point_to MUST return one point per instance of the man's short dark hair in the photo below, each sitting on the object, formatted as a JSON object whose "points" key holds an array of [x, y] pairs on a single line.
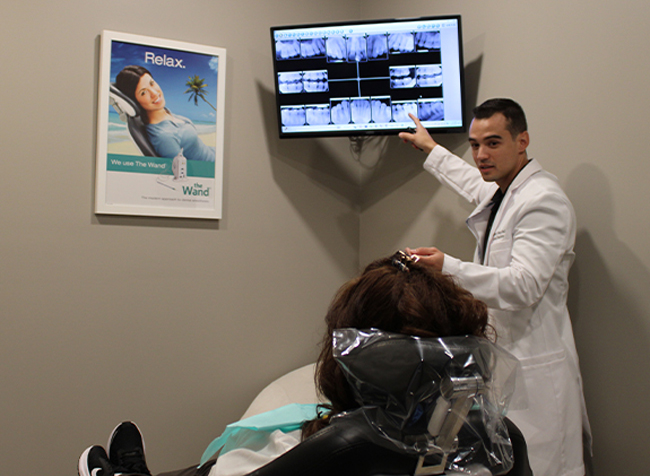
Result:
{"points": [[512, 111]]}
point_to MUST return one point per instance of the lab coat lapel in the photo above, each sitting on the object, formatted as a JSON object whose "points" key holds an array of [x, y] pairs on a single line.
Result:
{"points": [[477, 221], [477, 224]]}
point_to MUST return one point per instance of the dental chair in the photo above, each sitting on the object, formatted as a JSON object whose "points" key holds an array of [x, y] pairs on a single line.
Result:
{"points": [[131, 114], [428, 407]]}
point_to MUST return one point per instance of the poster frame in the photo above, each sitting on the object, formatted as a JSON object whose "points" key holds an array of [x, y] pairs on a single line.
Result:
{"points": [[130, 179]]}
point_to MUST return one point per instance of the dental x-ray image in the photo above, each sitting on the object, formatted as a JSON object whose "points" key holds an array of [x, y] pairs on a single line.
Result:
{"points": [[335, 47], [341, 111], [293, 115], [287, 49], [315, 81], [360, 110], [312, 48], [431, 110], [377, 46], [428, 75], [366, 77], [380, 109], [401, 43], [427, 40], [402, 77], [363, 110], [356, 46], [402, 109], [294, 82], [290, 82], [317, 114]]}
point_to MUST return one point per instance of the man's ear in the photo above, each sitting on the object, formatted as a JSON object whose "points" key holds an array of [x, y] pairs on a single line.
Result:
{"points": [[523, 139]]}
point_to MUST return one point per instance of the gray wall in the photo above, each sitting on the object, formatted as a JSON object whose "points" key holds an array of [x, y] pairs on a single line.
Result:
{"points": [[580, 71], [178, 323], [175, 324]]}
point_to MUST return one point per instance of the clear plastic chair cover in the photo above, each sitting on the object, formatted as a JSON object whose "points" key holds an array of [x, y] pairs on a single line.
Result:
{"points": [[443, 398]]}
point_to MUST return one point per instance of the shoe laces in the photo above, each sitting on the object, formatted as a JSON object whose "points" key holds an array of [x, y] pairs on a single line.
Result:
{"points": [[132, 462]]}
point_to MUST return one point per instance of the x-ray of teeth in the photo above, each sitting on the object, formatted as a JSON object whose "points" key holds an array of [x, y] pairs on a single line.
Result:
{"points": [[402, 109], [427, 40], [428, 75], [317, 114], [290, 82], [380, 109], [292, 115], [335, 46], [287, 49], [362, 78], [360, 110], [356, 46], [315, 81], [431, 110], [401, 43], [340, 111], [402, 77], [312, 48], [377, 47]]}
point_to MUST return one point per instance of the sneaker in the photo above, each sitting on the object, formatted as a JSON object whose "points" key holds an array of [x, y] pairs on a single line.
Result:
{"points": [[94, 462], [126, 450]]}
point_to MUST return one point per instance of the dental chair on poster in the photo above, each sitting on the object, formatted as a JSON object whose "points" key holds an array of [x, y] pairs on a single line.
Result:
{"points": [[131, 114], [428, 406]]}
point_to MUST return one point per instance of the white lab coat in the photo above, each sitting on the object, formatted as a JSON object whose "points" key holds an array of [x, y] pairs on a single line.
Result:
{"points": [[524, 282]]}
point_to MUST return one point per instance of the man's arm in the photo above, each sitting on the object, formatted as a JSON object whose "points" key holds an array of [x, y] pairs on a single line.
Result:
{"points": [[420, 138], [541, 239], [449, 169]]}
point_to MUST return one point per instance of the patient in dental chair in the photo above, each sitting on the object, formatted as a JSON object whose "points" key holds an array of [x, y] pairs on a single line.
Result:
{"points": [[392, 297]]}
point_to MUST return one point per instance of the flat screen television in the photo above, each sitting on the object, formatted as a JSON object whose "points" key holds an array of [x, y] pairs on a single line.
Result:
{"points": [[363, 78]]}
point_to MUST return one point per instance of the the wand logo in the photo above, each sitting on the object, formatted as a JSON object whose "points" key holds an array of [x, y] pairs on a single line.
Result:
{"points": [[163, 60], [196, 190]]}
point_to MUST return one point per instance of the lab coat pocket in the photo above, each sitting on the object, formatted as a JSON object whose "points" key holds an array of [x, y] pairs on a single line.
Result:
{"points": [[550, 413], [545, 378], [499, 252]]}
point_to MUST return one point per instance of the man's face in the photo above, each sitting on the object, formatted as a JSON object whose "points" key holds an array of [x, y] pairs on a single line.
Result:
{"points": [[498, 156]]}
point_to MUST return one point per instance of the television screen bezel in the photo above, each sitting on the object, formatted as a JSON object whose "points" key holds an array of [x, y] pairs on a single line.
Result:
{"points": [[370, 132]]}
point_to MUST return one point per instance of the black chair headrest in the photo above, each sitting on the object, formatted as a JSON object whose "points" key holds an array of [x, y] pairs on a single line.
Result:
{"points": [[417, 393]]}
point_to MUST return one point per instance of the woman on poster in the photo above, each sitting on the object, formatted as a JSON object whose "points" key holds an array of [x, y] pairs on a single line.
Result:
{"points": [[169, 134]]}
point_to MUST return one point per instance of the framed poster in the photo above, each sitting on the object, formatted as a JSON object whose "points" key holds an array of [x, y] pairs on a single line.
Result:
{"points": [[160, 127]]}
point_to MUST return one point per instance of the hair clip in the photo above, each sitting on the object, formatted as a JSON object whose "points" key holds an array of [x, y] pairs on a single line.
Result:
{"points": [[401, 260]]}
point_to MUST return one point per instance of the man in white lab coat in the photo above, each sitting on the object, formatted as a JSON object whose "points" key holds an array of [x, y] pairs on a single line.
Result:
{"points": [[525, 228]]}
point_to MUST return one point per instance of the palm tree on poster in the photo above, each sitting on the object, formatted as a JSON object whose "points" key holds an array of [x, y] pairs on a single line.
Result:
{"points": [[196, 89]]}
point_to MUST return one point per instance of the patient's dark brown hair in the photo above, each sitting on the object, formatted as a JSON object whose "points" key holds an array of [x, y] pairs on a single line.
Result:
{"points": [[394, 295]]}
